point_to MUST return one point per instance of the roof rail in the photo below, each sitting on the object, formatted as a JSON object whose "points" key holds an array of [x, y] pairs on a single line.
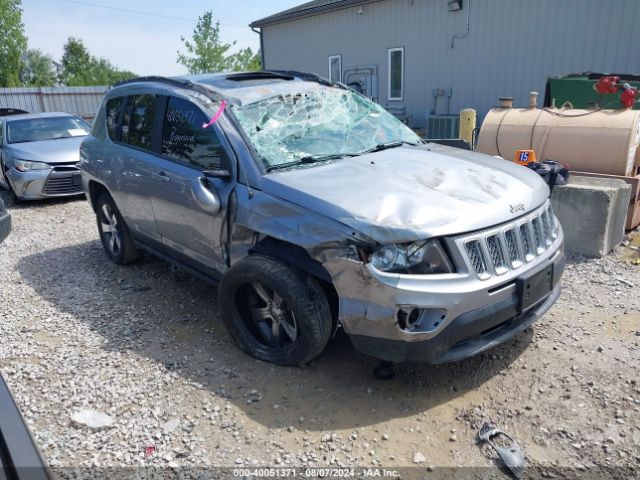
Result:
{"points": [[176, 82]]}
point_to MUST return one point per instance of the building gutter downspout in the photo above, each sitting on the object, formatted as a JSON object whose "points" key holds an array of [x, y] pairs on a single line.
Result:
{"points": [[466, 34], [259, 32]]}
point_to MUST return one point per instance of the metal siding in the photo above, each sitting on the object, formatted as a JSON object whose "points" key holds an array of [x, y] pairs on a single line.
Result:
{"points": [[513, 46], [81, 101]]}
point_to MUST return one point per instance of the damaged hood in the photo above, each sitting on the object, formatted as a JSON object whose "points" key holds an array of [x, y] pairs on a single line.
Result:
{"points": [[413, 193]]}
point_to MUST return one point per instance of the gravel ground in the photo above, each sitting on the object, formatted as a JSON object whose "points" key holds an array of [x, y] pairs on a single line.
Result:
{"points": [[143, 345]]}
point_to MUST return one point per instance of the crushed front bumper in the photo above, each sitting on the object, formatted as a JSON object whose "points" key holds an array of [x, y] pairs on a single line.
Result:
{"points": [[460, 314], [59, 181], [466, 336]]}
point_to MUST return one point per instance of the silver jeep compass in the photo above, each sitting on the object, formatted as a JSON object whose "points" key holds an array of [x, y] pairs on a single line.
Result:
{"points": [[315, 209]]}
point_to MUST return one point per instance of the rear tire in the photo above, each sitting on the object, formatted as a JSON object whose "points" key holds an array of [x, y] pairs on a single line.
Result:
{"points": [[274, 312], [114, 233]]}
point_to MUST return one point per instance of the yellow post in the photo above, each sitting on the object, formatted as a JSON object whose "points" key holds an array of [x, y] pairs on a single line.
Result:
{"points": [[467, 124]]}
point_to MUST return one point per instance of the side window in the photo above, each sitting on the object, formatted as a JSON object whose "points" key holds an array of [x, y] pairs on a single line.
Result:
{"points": [[114, 107], [1, 132], [335, 68], [185, 139], [143, 114], [396, 74]]}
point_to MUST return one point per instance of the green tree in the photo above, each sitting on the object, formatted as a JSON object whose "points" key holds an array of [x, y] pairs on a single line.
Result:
{"points": [[12, 42], [38, 69], [205, 52], [79, 68], [245, 61]]}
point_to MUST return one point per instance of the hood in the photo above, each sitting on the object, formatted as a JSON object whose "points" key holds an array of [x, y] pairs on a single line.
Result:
{"points": [[413, 193], [61, 150]]}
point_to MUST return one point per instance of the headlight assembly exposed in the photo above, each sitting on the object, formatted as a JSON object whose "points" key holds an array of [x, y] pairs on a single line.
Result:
{"points": [[419, 258], [26, 165]]}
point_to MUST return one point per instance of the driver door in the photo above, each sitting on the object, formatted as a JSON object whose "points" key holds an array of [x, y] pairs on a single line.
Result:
{"points": [[191, 229]]}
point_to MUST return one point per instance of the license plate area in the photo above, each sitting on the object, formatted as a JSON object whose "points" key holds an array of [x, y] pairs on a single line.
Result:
{"points": [[533, 288]]}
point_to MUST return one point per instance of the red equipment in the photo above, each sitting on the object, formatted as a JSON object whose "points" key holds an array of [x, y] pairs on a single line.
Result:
{"points": [[608, 85], [629, 96]]}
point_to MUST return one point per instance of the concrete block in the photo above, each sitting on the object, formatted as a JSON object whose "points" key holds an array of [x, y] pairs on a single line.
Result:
{"points": [[592, 212]]}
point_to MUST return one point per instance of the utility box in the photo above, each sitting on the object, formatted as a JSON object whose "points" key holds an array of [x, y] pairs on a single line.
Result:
{"points": [[443, 126]]}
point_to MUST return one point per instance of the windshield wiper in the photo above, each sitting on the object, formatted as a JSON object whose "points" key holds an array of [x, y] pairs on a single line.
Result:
{"points": [[309, 159], [387, 145], [338, 156]]}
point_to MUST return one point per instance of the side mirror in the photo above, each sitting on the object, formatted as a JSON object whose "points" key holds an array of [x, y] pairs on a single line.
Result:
{"points": [[220, 174]]}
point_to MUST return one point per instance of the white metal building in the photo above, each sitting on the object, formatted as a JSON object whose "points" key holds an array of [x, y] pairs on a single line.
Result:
{"points": [[425, 58]]}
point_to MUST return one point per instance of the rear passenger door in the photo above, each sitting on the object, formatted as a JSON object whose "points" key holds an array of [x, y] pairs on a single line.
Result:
{"points": [[133, 157], [190, 230]]}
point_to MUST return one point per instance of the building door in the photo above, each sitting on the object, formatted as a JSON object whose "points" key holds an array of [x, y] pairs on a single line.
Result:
{"points": [[363, 80]]}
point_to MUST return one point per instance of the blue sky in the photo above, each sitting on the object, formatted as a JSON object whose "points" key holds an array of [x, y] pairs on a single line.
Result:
{"points": [[144, 44]]}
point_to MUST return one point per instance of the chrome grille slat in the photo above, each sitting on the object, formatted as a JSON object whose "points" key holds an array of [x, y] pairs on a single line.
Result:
{"points": [[496, 254], [497, 250], [538, 235], [527, 244], [476, 256], [512, 247]]}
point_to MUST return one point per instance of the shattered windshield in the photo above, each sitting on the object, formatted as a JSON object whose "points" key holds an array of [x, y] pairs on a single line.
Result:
{"points": [[324, 122]]}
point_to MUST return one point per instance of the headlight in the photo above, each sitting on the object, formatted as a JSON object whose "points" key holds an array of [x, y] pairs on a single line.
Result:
{"points": [[416, 258], [26, 165]]}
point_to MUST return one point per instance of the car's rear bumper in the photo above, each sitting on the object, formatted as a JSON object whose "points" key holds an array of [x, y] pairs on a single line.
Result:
{"points": [[5, 224], [60, 181], [467, 335]]}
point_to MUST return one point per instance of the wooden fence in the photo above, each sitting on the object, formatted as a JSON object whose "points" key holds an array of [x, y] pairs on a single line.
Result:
{"points": [[81, 101]]}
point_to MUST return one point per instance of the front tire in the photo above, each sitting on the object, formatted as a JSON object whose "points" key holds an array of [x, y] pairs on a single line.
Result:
{"points": [[114, 233], [274, 312]]}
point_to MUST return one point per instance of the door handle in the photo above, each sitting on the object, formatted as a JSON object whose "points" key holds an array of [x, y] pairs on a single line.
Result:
{"points": [[163, 177]]}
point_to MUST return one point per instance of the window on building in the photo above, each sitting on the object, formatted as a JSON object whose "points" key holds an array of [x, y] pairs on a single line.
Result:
{"points": [[114, 107], [185, 139], [335, 68], [143, 114], [396, 73]]}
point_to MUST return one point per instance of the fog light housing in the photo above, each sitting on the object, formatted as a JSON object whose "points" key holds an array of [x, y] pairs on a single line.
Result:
{"points": [[409, 318]]}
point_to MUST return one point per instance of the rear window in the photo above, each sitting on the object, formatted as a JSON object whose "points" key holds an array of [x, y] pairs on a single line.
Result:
{"points": [[114, 107], [45, 128], [143, 114]]}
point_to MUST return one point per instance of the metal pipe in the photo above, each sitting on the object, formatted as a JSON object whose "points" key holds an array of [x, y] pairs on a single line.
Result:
{"points": [[466, 34], [259, 32]]}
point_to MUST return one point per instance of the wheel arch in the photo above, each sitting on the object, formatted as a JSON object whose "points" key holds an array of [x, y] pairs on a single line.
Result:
{"points": [[95, 189], [297, 257]]}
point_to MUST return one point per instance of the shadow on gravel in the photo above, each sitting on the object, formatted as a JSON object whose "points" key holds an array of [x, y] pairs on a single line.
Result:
{"points": [[167, 316], [10, 203]]}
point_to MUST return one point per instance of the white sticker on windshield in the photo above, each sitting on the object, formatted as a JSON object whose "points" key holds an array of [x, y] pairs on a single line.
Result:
{"points": [[76, 132]]}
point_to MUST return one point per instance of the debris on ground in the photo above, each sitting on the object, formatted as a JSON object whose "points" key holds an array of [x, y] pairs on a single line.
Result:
{"points": [[505, 446], [92, 419]]}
